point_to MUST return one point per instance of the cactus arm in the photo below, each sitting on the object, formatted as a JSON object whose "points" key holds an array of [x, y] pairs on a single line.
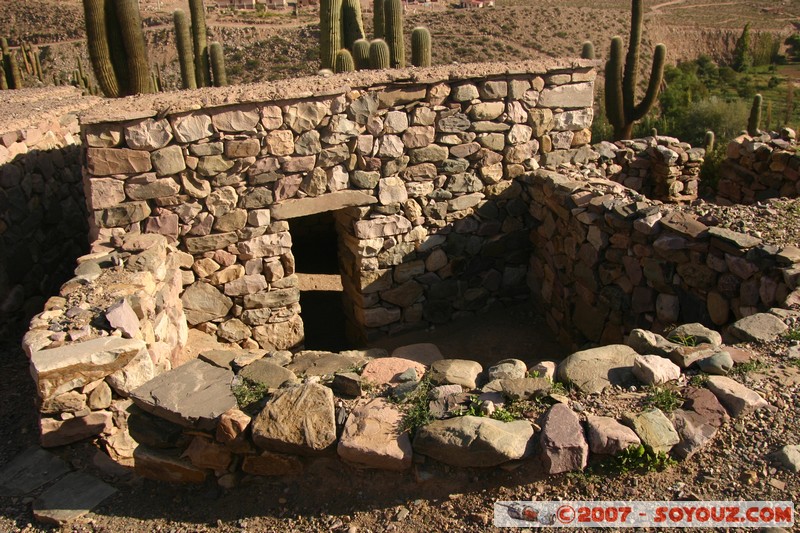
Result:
{"points": [[330, 26], [183, 41], [3, 80], [613, 88], [393, 13], [99, 15], [378, 20], [200, 37], [361, 54], [352, 24], [217, 57], [754, 121], [344, 61], [421, 47], [130, 21], [630, 76], [379, 54], [654, 85]]}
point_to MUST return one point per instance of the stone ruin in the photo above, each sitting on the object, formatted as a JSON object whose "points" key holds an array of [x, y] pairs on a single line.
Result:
{"points": [[452, 192]]}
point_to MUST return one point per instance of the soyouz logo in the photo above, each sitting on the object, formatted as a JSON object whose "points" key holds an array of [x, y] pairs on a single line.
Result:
{"points": [[661, 514]]}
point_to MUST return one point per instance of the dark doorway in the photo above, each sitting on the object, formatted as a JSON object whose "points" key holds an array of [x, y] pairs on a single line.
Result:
{"points": [[316, 251]]}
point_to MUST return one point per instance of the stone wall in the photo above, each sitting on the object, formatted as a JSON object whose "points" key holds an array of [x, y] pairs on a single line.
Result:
{"points": [[420, 171], [759, 168], [113, 327], [42, 212], [606, 260]]}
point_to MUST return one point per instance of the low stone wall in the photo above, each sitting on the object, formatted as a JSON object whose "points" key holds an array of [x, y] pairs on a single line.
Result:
{"points": [[759, 168], [113, 327], [42, 211], [419, 167], [606, 261]]}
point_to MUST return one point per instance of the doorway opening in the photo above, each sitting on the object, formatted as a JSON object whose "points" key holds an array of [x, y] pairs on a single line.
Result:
{"points": [[316, 252]]}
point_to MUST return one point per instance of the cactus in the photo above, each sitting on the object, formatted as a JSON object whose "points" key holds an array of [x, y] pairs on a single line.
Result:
{"points": [[352, 25], [587, 50], [344, 61], [330, 31], [708, 142], [420, 47], [361, 54], [3, 80], [154, 88], [106, 50], [378, 21], [201, 62], [217, 57], [130, 21], [378, 54], [621, 86], [754, 121], [11, 67], [37, 64], [393, 13], [183, 40]]}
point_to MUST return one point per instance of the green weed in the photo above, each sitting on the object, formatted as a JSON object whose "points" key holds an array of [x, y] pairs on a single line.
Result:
{"points": [[753, 365], [634, 459], [794, 333], [248, 393], [416, 409], [685, 340], [663, 398]]}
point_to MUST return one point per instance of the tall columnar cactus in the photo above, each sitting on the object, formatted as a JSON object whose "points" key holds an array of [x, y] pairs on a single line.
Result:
{"points": [[217, 64], [344, 61], [708, 142], [754, 121], [352, 24], [13, 74], [621, 86], [130, 22], [183, 40], [420, 47], [361, 54], [378, 20], [3, 80], [199, 34], [330, 31], [37, 64], [587, 50], [393, 13], [378, 54]]}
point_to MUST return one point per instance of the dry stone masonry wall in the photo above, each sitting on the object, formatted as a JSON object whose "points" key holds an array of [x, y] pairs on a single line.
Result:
{"points": [[422, 176], [113, 327], [42, 212], [607, 260], [759, 168]]}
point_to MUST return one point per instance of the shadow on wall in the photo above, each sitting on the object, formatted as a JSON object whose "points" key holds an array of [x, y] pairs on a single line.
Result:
{"points": [[43, 229]]}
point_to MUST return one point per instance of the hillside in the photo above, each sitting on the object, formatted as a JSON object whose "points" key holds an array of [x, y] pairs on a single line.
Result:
{"points": [[278, 45]]}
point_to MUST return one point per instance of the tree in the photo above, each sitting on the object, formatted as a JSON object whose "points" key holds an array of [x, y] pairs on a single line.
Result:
{"points": [[742, 54], [793, 42]]}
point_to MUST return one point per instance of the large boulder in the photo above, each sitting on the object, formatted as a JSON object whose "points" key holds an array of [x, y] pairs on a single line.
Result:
{"points": [[598, 368], [736, 398], [298, 420], [474, 441], [456, 372], [761, 327]]}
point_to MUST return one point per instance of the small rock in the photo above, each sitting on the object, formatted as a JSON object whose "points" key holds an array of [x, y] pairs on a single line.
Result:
{"points": [[654, 429], [456, 371], [655, 370], [718, 364], [564, 447], [789, 457]]}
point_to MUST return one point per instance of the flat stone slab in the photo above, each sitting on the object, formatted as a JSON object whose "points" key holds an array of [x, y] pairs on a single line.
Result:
{"points": [[193, 395], [654, 429], [372, 437], [268, 374], [597, 368], [227, 358], [166, 465], [320, 204], [736, 398], [313, 363], [456, 372], [390, 369], [608, 437], [30, 470], [564, 446], [761, 327], [71, 498], [422, 352], [63, 369], [474, 441]]}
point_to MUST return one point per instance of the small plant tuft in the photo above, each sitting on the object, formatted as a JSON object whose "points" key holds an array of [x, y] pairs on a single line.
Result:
{"points": [[753, 365], [248, 393], [793, 334], [663, 398], [699, 380], [416, 409], [634, 459], [685, 340]]}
